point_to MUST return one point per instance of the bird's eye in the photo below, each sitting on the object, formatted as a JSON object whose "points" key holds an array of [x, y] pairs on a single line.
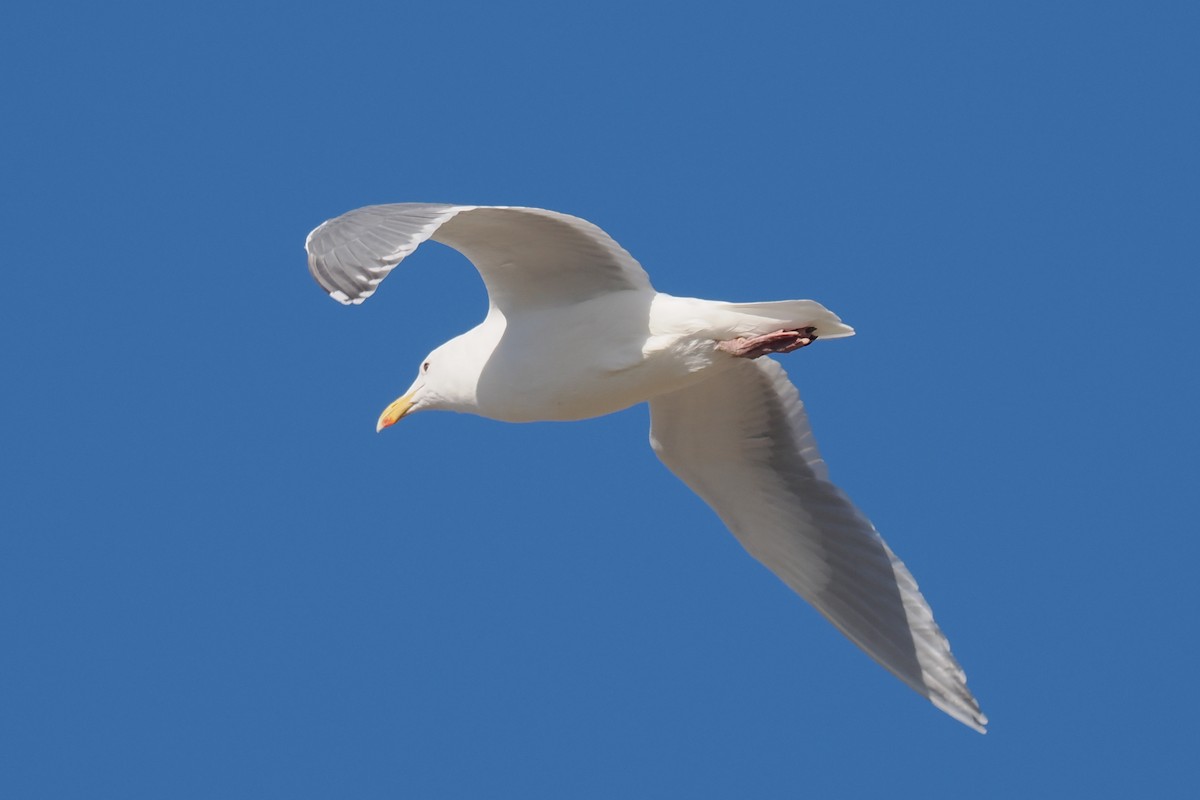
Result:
{"points": [[425, 367]]}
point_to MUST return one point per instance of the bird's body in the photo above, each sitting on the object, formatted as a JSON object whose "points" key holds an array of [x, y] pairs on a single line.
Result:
{"points": [[575, 330], [638, 344]]}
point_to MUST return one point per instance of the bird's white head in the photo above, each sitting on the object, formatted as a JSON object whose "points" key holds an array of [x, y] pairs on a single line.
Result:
{"points": [[442, 383]]}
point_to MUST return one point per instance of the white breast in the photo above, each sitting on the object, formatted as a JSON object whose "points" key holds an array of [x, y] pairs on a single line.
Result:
{"points": [[586, 360]]}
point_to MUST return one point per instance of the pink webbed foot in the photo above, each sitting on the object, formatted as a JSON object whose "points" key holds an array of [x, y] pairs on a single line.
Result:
{"points": [[777, 342]]}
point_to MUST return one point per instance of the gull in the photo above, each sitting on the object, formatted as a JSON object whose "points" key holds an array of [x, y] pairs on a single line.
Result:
{"points": [[574, 330]]}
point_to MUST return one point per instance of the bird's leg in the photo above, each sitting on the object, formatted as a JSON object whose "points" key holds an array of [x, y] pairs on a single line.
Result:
{"points": [[777, 342]]}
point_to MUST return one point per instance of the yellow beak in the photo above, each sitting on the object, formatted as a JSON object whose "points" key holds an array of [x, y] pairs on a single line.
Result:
{"points": [[395, 412]]}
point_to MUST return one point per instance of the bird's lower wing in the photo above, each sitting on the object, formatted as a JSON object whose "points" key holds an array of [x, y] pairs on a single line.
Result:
{"points": [[741, 441]]}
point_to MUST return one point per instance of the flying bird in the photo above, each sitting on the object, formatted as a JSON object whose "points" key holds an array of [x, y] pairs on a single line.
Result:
{"points": [[575, 330]]}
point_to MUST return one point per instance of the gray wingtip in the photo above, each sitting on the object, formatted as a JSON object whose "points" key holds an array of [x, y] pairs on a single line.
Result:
{"points": [[351, 254], [965, 710]]}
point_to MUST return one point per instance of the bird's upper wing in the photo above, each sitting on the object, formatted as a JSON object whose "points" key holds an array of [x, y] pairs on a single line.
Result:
{"points": [[741, 441], [528, 257]]}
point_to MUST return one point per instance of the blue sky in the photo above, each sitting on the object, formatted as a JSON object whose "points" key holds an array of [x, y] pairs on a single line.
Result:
{"points": [[216, 580]]}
